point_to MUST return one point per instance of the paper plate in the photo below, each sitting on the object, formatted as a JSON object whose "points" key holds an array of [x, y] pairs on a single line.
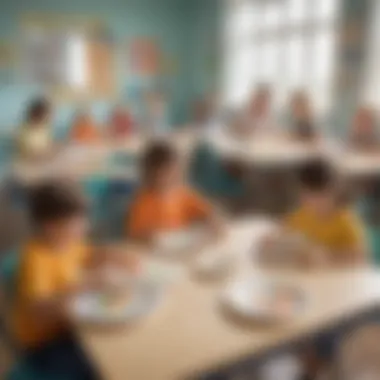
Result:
{"points": [[266, 301], [180, 242], [137, 301]]}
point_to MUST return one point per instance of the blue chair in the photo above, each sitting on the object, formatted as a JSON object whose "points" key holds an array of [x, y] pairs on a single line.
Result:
{"points": [[119, 196], [95, 188], [364, 208], [208, 174]]}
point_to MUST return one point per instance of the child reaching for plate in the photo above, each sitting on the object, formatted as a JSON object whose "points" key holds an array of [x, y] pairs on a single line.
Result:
{"points": [[52, 269], [164, 202]]}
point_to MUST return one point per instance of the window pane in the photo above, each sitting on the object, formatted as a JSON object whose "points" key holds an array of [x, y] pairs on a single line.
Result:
{"points": [[240, 76], [272, 15], [295, 75], [268, 61], [323, 57], [298, 10], [242, 21], [326, 9]]}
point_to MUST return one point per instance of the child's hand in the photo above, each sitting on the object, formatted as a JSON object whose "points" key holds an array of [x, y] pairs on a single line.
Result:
{"points": [[118, 257]]}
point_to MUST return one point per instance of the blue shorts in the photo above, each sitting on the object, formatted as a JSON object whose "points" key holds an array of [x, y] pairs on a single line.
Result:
{"points": [[61, 358]]}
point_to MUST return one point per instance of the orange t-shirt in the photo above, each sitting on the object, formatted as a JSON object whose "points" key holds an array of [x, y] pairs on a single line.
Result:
{"points": [[85, 132], [43, 274], [153, 212]]}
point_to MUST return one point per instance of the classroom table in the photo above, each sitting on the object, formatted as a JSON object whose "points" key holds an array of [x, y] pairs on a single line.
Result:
{"points": [[189, 336], [360, 164], [271, 149], [76, 162]]}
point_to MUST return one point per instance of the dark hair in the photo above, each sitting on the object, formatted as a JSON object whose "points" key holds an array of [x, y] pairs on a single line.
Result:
{"points": [[156, 156], [54, 201], [38, 109], [316, 175]]}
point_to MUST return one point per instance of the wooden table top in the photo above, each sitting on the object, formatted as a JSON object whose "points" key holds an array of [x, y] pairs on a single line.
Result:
{"points": [[190, 334]]}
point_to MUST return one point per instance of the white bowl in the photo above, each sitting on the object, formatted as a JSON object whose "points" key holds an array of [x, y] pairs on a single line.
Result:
{"points": [[263, 300], [139, 299], [179, 242]]}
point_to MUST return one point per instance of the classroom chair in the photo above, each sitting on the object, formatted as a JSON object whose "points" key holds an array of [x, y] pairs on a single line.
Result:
{"points": [[119, 196], [208, 174], [95, 188]]}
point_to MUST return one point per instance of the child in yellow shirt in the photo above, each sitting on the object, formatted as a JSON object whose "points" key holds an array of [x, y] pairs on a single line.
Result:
{"points": [[323, 220], [51, 269], [34, 139], [164, 202]]}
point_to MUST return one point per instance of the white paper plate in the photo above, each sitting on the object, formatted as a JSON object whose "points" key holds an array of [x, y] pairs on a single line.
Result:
{"points": [[262, 300], [180, 242], [92, 307]]}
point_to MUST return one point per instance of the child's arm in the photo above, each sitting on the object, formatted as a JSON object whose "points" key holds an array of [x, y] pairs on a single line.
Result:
{"points": [[200, 209], [356, 251]]}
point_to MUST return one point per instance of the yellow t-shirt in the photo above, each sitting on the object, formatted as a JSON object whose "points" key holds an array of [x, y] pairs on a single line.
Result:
{"points": [[34, 140], [43, 274], [340, 232]]}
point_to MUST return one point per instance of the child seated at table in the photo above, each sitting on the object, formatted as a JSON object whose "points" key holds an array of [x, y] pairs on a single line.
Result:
{"points": [[259, 110], [84, 129], [302, 120], [121, 123], [34, 140], [164, 202], [364, 135], [52, 270], [324, 221]]}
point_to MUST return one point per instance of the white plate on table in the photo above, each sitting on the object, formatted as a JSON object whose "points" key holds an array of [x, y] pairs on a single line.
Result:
{"points": [[180, 242], [264, 300], [136, 301]]}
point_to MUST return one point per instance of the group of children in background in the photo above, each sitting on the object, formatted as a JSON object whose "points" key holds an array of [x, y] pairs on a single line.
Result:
{"points": [[57, 260], [35, 137]]}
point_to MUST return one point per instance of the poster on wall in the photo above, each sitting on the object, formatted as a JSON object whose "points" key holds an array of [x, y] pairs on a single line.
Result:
{"points": [[145, 57], [6, 55]]}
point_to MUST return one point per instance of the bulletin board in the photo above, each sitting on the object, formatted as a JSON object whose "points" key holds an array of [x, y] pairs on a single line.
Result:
{"points": [[145, 57]]}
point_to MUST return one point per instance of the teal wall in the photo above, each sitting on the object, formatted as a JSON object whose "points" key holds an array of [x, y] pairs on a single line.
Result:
{"points": [[171, 22]]}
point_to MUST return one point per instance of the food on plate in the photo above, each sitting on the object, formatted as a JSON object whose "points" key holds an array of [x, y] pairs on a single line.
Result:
{"points": [[281, 301], [114, 303]]}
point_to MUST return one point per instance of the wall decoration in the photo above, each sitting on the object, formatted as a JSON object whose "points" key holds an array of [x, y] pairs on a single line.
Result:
{"points": [[145, 57], [170, 65], [6, 55]]}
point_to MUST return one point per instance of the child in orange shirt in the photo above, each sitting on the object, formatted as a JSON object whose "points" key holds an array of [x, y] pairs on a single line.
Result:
{"points": [[259, 110], [164, 202], [84, 130]]}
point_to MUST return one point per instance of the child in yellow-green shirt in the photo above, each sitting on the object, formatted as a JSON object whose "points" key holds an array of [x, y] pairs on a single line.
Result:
{"points": [[323, 220]]}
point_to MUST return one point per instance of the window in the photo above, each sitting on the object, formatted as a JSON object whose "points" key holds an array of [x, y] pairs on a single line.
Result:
{"points": [[371, 90], [72, 58], [288, 44]]}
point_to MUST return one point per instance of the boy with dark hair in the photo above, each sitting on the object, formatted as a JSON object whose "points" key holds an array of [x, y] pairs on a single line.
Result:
{"points": [[51, 270], [321, 218], [164, 202]]}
